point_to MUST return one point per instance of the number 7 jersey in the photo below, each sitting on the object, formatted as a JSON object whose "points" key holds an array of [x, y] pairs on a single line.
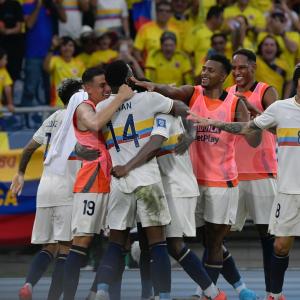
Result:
{"points": [[129, 130]]}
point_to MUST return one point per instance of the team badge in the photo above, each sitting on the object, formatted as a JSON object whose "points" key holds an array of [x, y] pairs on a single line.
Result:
{"points": [[161, 123]]}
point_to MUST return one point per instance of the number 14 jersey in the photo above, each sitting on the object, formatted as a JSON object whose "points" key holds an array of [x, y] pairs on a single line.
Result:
{"points": [[129, 130]]}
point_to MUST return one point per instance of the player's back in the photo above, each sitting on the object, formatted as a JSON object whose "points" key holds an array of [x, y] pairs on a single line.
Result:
{"points": [[130, 129], [55, 190]]}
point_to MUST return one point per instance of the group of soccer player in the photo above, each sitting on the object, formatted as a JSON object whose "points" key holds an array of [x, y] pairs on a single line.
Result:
{"points": [[168, 160]]}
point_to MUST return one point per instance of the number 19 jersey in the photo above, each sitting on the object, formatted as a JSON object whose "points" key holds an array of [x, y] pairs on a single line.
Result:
{"points": [[129, 130]]}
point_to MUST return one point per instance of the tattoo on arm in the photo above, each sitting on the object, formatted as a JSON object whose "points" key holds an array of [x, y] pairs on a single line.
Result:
{"points": [[234, 127], [26, 155]]}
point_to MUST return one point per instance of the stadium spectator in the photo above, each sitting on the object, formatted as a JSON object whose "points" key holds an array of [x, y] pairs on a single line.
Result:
{"points": [[255, 18], [182, 17], [39, 21], [72, 24], [103, 54], [244, 39], [5, 83], [61, 66], [197, 41], [148, 36], [271, 69], [291, 16], [11, 36], [126, 54], [112, 16], [288, 40], [169, 65], [87, 44]]}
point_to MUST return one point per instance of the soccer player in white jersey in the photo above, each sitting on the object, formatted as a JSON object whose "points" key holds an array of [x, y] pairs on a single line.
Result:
{"points": [[141, 192], [284, 116], [181, 188], [52, 224]]}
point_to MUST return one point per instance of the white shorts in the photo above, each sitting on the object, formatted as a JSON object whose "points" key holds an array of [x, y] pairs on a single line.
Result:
{"points": [[256, 199], [182, 211], [89, 213], [285, 215], [147, 203], [52, 224], [217, 205]]}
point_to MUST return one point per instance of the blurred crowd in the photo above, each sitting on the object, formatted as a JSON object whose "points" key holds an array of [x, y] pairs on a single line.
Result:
{"points": [[43, 42]]}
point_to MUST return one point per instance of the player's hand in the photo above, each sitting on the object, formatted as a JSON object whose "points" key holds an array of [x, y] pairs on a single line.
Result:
{"points": [[184, 141], [17, 185], [125, 92], [199, 120], [149, 86], [119, 171], [86, 153], [254, 111]]}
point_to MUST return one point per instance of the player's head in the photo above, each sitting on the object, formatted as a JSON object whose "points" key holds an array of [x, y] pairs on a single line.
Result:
{"points": [[94, 83], [243, 67], [296, 77], [215, 71], [68, 88], [118, 73]]}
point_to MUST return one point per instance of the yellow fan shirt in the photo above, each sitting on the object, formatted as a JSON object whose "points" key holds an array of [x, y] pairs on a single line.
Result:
{"points": [[147, 39], [5, 80], [60, 70], [102, 57], [177, 70]]}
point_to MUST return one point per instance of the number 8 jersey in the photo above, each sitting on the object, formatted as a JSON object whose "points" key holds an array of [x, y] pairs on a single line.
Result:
{"points": [[129, 130]]}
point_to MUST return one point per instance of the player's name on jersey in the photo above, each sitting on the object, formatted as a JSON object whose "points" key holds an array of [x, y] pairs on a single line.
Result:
{"points": [[52, 123], [125, 106], [207, 138]]}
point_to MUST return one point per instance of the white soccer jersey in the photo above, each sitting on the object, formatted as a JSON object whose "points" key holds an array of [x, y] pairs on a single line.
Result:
{"points": [[55, 190], [176, 170], [285, 116], [129, 130]]}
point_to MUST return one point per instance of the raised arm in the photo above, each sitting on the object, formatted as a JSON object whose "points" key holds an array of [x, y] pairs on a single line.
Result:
{"points": [[95, 121], [148, 151], [183, 93], [18, 180]]}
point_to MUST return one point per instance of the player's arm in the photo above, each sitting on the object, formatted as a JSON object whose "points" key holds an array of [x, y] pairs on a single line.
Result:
{"points": [[269, 97], [18, 180], [186, 138], [183, 93], [238, 128], [95, 121], [242, 115], [148, 151]]}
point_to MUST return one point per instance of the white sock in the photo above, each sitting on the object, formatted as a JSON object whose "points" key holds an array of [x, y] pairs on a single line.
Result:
{"points": [[198, 291], [211, 292], [275, 296], [240, 288]]}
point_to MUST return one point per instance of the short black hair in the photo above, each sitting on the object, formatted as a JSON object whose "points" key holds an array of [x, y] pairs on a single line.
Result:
{"points": [[269, 36], [223, 60], [246, 52], [116, 73], [168, 35], [296, 76], [68, 88], [219, 34], [214, 11], [90, 73], [67, 39], [2, 53]]}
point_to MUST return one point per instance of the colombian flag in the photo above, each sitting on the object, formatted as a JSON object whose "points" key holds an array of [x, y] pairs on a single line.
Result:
{"points": [[17, 213], [141, 13]]}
